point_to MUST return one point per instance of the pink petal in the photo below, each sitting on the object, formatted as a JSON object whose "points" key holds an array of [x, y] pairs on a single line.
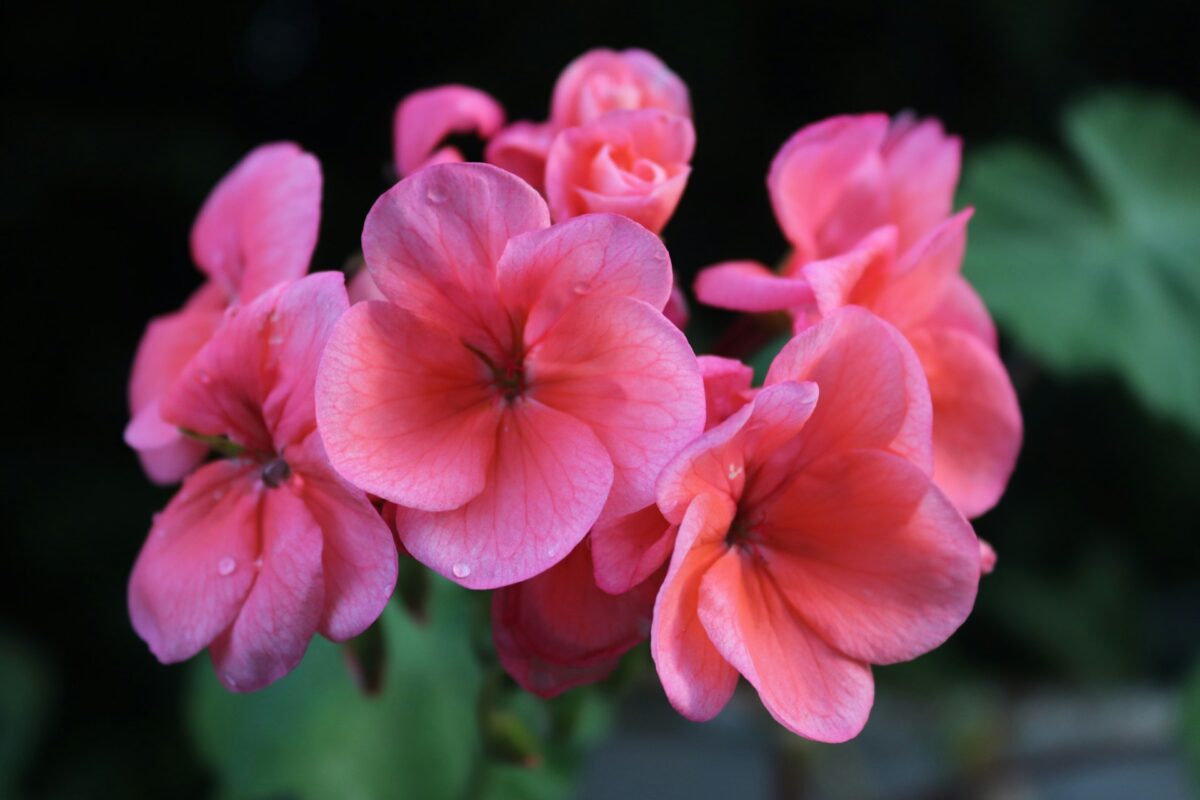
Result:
{"points": [[726, 387], [358, 555], [259, 225], [182, 593], [855, 277], [871, 555], [698, 680], [617, 365], [924, 274], [809, 688], [165, 454], [873, 389], [977, 426], [404, 410], [544, 273], [432, 242], [811, 173], [987, 558], [558, 630], [600, 81], [362, 287], [921, 163], [961, 308], [521, 148], [425, 118], [545, 486], [764, 430], [676, 309], [281, 613], [750, 286], [633, 163], [629, 549]]}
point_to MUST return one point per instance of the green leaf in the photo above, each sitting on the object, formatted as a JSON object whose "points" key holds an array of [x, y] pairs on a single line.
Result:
{"points": [[1095, 266], [25, 691], [315, 735]]}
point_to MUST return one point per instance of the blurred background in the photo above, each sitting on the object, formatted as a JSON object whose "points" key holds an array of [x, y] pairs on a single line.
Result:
{"points": [[1077, 676]]}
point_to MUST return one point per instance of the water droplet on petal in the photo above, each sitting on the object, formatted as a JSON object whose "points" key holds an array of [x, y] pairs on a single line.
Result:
{"points": [[581, 288], [226, 566], [229, 681], [435, 195], [387, 590], [205, 378], [461, 570], [258, 563], [552, 552]]}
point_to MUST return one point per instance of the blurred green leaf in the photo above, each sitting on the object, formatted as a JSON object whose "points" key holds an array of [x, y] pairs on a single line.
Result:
{"points": [[315, 735], [1097, 266], [24, 692], [1190, 722]]}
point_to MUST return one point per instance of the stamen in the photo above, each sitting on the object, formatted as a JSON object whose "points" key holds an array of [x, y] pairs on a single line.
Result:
{"points": [[275, 473]]}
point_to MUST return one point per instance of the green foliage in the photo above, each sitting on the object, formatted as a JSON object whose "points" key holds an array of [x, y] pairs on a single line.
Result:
{"points": [[1095, 265], [316, 735], [1190, 722], [24, 696]]}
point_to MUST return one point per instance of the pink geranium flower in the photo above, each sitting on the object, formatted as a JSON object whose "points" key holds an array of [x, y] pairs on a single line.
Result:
{"points": [[597, 83], [424, 119], [258, 227], [520, 380], [633, 163], [260, 550], [866, 209], [812, 542]]}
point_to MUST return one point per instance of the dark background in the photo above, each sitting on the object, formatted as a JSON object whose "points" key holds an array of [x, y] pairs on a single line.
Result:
{"points": [[118, 120]]}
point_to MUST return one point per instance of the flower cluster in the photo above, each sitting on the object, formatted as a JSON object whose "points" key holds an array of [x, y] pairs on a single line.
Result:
{"points": [[507, 397]]}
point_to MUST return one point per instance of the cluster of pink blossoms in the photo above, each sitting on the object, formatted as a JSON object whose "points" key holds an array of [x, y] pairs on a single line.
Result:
{"points": [[510, 401]]}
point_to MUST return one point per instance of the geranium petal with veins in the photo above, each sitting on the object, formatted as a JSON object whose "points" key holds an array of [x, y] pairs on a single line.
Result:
{"points": [[259, 225], [521, 148], [281, 612], [423, 119], [961, 308], [358, 554], [871, 555], [977, 426], [809, 687], [602, 80], [404, 409], [873, 389], [726, 387], [543, 490], [617, 365], [921, 164], [432, 242], [629, 549], [598, 255], [183, 592], [855, 277], [750, 286], [697, 679], [923, 274]]}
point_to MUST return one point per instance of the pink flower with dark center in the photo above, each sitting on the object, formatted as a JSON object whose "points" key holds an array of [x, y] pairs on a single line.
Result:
{"points": [[812, 542], [633, 163], [257, 228], [866, 209], [260, 550], [424, 119], [597, 83], [519, 383]]}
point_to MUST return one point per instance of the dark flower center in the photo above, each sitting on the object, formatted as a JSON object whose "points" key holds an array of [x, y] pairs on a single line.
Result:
{"points": [[275, 472]]}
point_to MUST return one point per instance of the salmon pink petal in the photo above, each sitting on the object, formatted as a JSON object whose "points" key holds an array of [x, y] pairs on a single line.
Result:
{"points": [[432, 242], [676, 310], [629, 549], [546, 272], [616, 364], [698, 680], [558, 630], [259, 225], [923, 275], [750, 286], [987, 558], [544, 488], [166, 455], [404, 409], [855, 277], [601, 81], [425, 118], [961, 308], [716, 462], [921, 163], [726, 387], [871, 555], [977, 425], [521, 148], [281, 612], [873, 389], [358, 555], [632, 163], [185, 588], [810, 176], [362, 287], [809, 687]]}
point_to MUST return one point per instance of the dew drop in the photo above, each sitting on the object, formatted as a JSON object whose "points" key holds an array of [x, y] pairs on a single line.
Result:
{"points": [[229, 681], [552, 552], [435, 195], [387, 590], [226, 566], [461, 570], [258, 563], [581, 288], [205, 378]]}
